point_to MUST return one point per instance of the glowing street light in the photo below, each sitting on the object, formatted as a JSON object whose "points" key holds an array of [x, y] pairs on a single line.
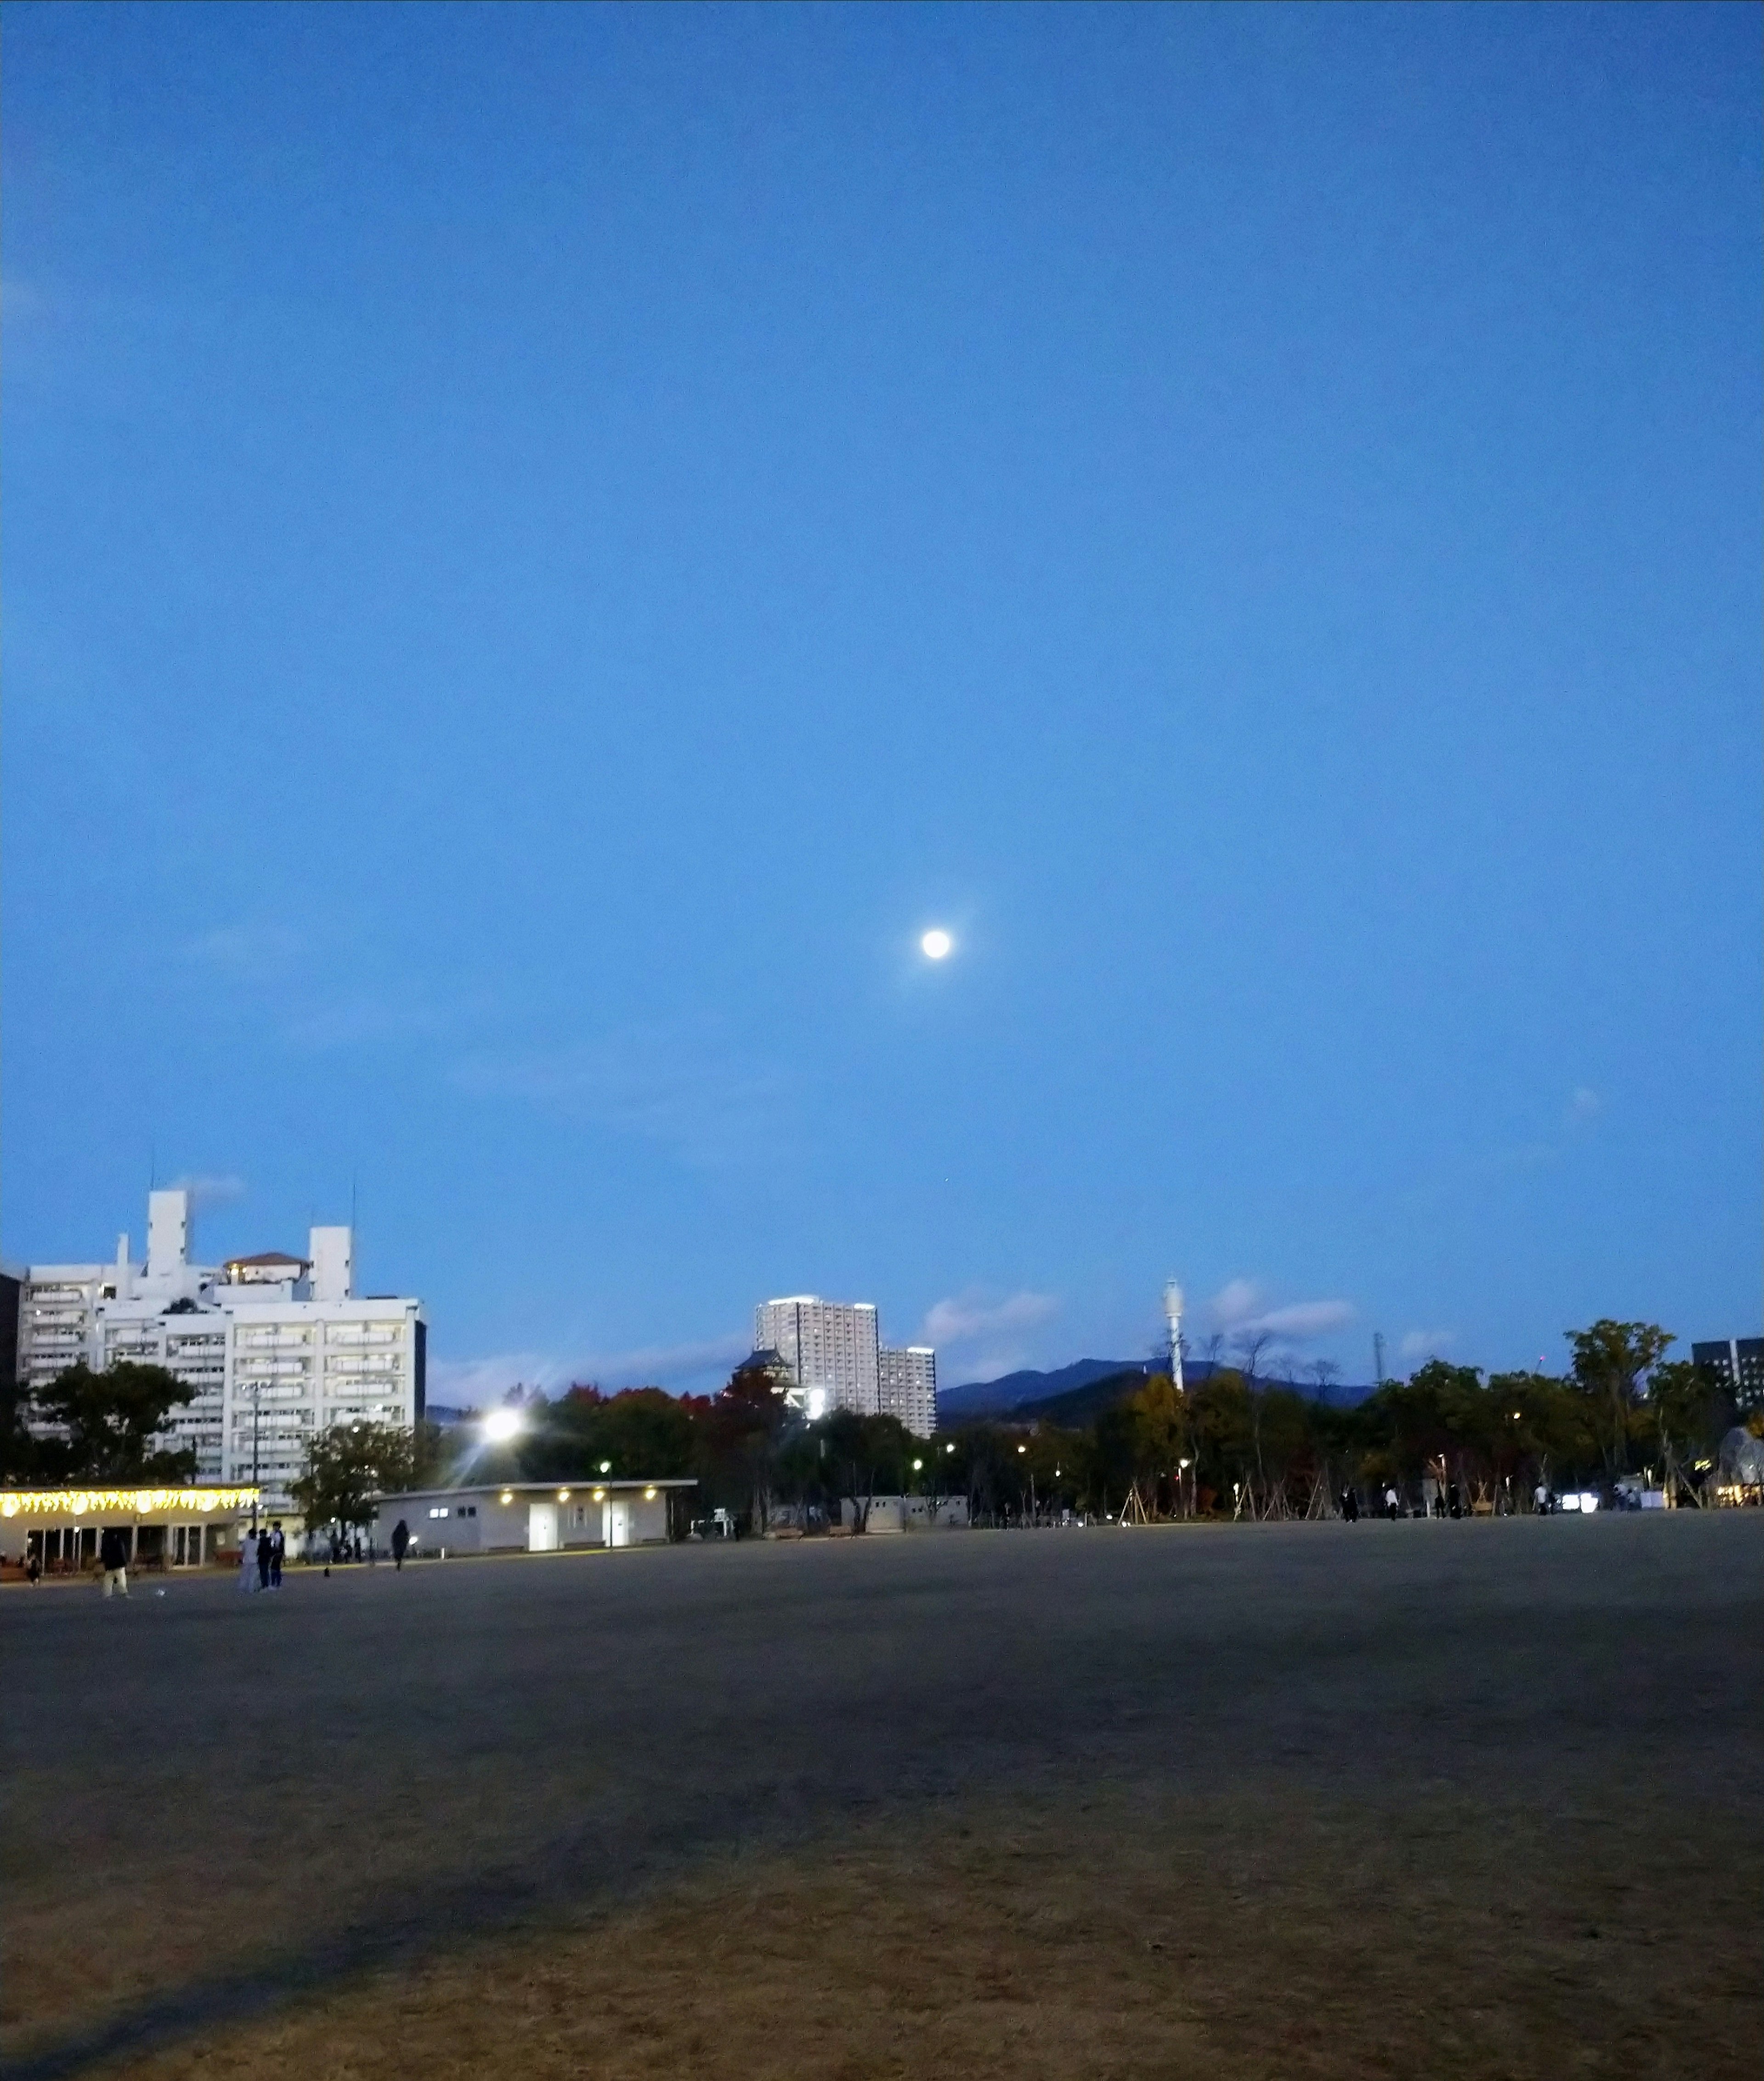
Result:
{"points": [[501, 1424]]}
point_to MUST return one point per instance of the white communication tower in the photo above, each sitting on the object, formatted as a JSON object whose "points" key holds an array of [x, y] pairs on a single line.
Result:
{"points": [[1173, 1315]]}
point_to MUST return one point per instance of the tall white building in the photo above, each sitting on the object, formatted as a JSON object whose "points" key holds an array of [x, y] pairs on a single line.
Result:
{"points": [[833, 1351], [829, 1347], [273, 1347], [908, 1380]]}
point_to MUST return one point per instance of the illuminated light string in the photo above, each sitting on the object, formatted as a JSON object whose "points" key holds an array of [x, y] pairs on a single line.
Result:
{"points": [[85, 1502]]}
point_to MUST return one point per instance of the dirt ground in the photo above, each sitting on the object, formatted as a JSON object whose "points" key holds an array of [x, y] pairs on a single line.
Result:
{"points": [[1316, 1800]]}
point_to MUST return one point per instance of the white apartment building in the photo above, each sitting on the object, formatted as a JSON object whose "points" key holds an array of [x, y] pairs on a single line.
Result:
{"points": [[833, 1351], [908, 1381], [275, 1348], [829, 1347]]}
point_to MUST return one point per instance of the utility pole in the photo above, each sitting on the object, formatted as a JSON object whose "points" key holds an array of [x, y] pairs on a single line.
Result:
{"points": [[257, 1389]]}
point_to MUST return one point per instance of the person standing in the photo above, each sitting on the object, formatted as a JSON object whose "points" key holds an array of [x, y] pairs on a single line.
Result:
{"points": [[264, 1551], [401, 1542], [278, 1551], [247, 1560], [1390, 1504], [113, 1558]]}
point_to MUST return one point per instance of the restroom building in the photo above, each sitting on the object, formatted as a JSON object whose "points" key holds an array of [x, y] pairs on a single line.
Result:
{"points": [[530, 1517]]}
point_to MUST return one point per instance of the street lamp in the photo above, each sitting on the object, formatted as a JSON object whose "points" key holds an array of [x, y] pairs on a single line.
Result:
{"points": [[501, 1424]]}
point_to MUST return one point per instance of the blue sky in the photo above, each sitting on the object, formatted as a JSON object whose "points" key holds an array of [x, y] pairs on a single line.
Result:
{"points": [[544, 546]]}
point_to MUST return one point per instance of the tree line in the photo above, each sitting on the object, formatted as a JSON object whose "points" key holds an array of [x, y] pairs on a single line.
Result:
{"points": [[1231, 1445]]}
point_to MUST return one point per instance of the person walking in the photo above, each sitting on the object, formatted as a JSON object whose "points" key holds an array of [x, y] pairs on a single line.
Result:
{"points": [[401, 1542], [265, 1551], [113, 1558], [33, 1566], [1390, 1504], [278, 1552]]}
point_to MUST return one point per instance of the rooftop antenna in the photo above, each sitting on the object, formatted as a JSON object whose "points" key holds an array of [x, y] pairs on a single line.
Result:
{"points": [[1173, 1315], [1378, 1358]]}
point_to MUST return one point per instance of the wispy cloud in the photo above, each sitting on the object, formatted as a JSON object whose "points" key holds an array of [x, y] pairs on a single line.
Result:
{"points": [[1420, 1345], [1237, 1310], [247, 953], [297, 972], [1581, 1109], [207, 1189], [368, 1020], [968, 1315], [690, 1089], [979, 1336], [479, 1383]]}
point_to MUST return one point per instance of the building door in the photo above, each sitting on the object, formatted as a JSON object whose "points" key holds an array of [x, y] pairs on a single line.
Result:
{"points": [[186, 1546], [542, 1527], [618, 1524]]}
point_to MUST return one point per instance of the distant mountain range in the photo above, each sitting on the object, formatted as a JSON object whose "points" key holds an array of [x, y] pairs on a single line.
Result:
{"points": [[1078, 1394], [993, 1398]]}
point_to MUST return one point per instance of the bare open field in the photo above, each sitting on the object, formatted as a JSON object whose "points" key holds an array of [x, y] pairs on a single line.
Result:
{"points": [[1469, 1799]]}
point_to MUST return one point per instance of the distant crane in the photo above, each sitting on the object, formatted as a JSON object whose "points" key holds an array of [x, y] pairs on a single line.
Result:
{"points": [[1173, 1315]]}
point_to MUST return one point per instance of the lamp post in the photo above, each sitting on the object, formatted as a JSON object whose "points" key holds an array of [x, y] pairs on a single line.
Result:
{"points": [[257, 1388]]}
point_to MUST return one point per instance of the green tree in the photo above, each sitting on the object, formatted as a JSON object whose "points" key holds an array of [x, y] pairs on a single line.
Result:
{"points": [[1610, 1362], [347, 1467], [641, 1432], [866, 1456], [108, 1424]]}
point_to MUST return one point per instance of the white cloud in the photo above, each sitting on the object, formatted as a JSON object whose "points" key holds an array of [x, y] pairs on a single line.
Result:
{"points": [[968, 1315], [1584, 1104], [1422, 1344], [1237, 1309], [209, 1189]]}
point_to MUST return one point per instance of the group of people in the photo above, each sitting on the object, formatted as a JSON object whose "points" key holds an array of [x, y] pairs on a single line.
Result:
{"points": [[1447, 1503], [260, 1559]]}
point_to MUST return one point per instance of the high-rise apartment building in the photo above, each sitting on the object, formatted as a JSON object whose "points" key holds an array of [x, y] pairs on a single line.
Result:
{"points": [[908, 1379], [1736, 1363], [273, 1347], [829, 1348], [833, 1353]]}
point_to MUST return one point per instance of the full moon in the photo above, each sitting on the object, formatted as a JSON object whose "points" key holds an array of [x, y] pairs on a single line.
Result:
{"points": [[936, 943]]}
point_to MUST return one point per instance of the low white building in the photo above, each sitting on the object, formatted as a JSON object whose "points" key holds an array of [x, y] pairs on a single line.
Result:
{"points": [[912, 1513], [532, 1517], [273, 1347]]}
